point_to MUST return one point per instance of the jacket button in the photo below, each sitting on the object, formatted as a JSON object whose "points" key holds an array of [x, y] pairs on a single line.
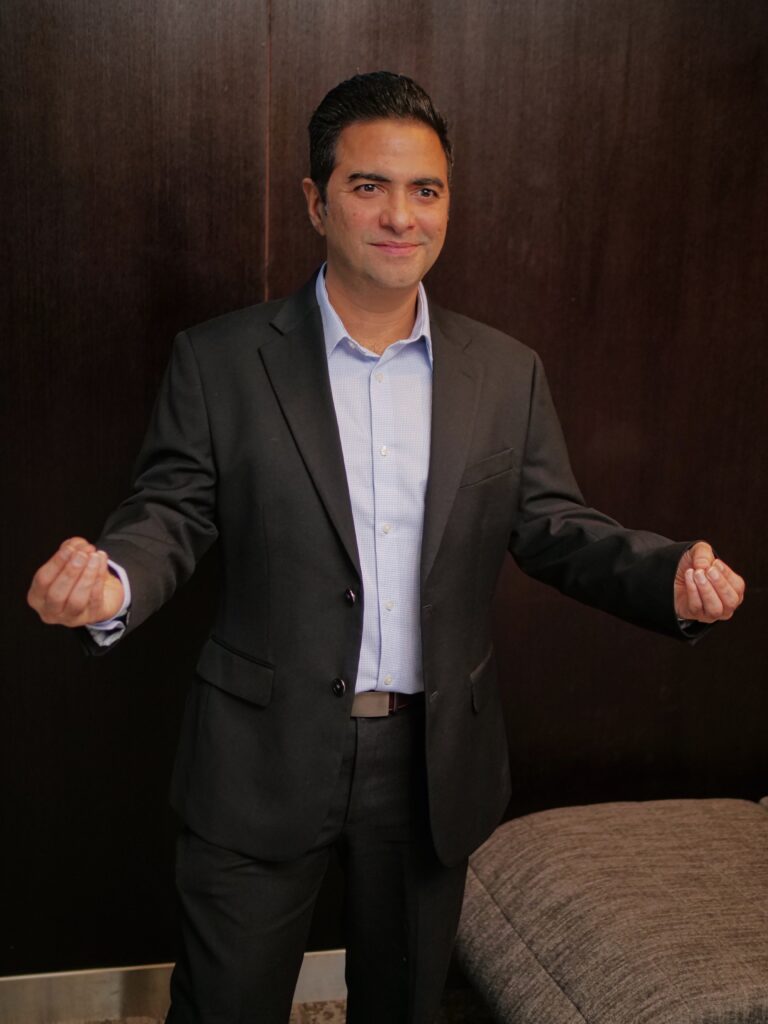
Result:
{"points": [[350, 596], [338, 687]]}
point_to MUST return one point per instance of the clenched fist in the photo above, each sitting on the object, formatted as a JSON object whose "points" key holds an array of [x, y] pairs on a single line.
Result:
{"points": [[706, 589], [75, 586]]}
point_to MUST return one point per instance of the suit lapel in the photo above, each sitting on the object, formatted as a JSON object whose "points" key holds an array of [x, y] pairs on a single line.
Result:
{"points": [[298, 371], [297, 366], [455, 392]]}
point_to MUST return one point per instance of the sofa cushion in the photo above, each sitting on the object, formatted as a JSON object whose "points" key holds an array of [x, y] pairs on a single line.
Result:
{"points": [[623, 913]]}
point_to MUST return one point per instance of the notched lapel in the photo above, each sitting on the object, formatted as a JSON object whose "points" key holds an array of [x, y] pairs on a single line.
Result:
{"points": [[297, 367], [456, 382]]}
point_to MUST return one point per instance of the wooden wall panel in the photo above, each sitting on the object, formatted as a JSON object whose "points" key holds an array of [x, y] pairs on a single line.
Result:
{"points": [[133, 205], [609, 208]]}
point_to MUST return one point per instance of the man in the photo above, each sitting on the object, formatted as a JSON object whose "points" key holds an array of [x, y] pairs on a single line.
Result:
{"points": [[365, 460]]}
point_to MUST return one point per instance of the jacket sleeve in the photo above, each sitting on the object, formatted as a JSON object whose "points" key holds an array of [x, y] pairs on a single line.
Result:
{"points": [[585, 554], [168, 522]]}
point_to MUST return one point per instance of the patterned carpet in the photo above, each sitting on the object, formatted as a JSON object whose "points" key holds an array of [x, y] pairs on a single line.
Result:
{"points": [[460, 1006]]}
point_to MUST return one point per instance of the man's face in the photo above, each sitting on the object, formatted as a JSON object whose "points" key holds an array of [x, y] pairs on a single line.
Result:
{"points": [[386, 213]]}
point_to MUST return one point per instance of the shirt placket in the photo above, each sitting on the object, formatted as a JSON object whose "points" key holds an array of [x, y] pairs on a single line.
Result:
{"points": [[384, 457]]}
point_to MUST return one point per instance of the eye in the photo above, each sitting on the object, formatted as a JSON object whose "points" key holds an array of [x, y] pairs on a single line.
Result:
{"points": [[366, 188], [427, 193]]}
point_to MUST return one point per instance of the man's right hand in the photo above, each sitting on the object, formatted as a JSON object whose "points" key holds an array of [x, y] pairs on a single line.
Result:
{"points": [[75, 587]]}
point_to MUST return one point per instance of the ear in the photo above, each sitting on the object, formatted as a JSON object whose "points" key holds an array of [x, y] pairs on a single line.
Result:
{"points": [[315, 205]]}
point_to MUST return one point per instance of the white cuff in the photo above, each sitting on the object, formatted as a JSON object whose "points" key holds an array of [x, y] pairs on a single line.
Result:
{"points": [[106, 634]]}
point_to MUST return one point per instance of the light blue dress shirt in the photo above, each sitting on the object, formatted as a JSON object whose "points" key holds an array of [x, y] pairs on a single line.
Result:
{"points": [[383, 408]]}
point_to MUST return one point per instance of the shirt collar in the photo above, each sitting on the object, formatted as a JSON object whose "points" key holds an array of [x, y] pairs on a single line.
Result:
{"points": [[334, 330]]}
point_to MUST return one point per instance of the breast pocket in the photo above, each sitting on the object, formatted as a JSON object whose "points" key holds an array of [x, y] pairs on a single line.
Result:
{"points": [[493, 465], [236, 673]]}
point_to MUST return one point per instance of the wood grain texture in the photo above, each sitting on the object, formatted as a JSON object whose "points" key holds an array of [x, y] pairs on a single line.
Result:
{"points": [[609, 208], [133, 205]]}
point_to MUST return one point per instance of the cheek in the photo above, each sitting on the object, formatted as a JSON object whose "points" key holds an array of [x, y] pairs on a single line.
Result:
{"points": [[358, 220], [437, 236], [435, 228]]}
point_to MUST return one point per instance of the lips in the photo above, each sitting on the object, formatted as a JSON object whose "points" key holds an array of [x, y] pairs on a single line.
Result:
{"points": [[396, 248]]}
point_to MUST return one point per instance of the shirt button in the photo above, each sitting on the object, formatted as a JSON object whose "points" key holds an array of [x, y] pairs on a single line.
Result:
{"points": [[386, 527], [387, 680], [379, 377], [338, 687], [389, 605], [384, 450], [350, 596]]}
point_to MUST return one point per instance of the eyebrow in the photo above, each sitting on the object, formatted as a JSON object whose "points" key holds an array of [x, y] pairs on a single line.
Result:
{"points": [[373, 176]]}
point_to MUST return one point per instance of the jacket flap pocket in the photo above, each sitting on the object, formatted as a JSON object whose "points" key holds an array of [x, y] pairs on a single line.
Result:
{"points": [[235, 673], [495, 464], [482, 680]]}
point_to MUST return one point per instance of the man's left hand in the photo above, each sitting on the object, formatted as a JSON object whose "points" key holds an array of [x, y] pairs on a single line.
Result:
{"points": [[706, 589]]}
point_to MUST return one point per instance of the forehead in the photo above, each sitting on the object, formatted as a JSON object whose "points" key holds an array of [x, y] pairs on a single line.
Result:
{"points": [[391, 144]]}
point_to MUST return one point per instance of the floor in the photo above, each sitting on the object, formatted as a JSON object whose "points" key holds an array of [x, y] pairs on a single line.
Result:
{"points": [[460, 1006]]}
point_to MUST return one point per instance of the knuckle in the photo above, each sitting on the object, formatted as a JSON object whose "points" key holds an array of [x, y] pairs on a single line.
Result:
{"points": [[76, 605]]}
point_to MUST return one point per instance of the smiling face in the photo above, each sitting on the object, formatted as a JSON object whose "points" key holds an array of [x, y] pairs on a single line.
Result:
{"points": [[386, 210]]}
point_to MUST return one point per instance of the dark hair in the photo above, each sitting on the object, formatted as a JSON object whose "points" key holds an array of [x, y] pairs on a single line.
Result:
{"points": [[369, 97]]}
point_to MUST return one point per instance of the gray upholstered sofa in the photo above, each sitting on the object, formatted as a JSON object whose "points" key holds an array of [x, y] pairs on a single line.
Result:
{"points": [[624, 913]]}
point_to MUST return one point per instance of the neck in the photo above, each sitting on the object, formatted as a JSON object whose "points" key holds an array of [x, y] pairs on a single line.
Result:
{"points": [[375, 319]]}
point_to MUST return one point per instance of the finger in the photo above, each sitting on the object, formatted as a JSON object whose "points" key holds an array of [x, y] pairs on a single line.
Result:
{"points": [[694, 607], [729, 597], [736, 581], [55, 599], [711, 604], [73, 544], [48, 572], [46, 575], [79, 597], [702, 555]]}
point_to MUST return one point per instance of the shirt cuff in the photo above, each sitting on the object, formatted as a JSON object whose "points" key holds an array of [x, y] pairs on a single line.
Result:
{"points": [[109, 631]]}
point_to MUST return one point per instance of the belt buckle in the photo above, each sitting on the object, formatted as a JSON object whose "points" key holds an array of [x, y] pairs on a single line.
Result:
{"points": [[371, 704]]}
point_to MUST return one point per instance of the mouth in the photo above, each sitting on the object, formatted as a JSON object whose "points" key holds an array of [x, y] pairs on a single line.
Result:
{"points": [[396, 248]]}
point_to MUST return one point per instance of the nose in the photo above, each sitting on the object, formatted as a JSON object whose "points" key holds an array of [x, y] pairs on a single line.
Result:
{"points": [[396, 213]]}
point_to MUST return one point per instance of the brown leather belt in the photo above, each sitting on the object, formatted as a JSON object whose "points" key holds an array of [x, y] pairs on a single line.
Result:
{"points": [[377, 704]]}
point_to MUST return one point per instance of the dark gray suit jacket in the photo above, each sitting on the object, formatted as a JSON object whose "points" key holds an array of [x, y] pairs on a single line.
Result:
{"points": [[243, 446]]}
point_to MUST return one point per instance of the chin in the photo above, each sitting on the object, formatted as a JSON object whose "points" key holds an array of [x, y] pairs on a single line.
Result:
{"points": [[399, 277]]}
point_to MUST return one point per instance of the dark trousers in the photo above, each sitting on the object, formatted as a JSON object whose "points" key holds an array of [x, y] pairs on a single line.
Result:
{"points": [[244, 922]]}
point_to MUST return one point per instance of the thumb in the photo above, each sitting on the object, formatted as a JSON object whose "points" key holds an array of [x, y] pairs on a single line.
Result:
{"points": [[702, 555]]}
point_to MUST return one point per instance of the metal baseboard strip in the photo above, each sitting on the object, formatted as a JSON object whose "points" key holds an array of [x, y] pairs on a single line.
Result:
{"points": [[122, 993], [321, 977]]}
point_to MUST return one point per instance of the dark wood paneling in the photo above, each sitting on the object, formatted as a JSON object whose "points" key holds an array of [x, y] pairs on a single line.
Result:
{"points": [[133, 205], [609, 209]]}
